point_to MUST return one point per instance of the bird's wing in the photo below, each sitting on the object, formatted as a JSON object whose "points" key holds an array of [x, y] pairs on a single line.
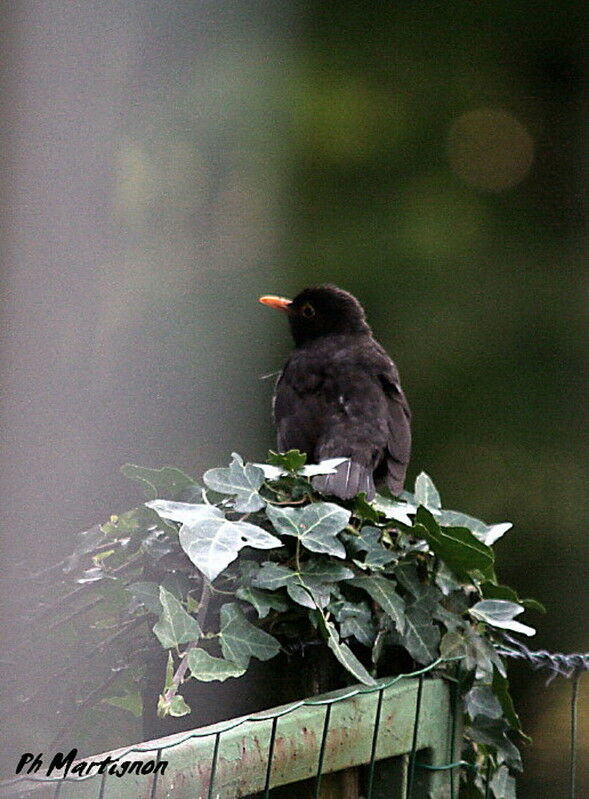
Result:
{"points": [[399, 429], [298, 407]]}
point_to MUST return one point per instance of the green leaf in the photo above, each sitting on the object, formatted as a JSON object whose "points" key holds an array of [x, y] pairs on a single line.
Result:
{"points": [[500, 613], [481, 701], [175, 626], [493, 732], [487, 533], [355, 620], [480, 656], [325, 570], [241, 640], [394, 509], [452, 645], [492, 591], [369, 541], [503, 784], [420, 636], [263, 601], [501, 689], [177, 706], [210, 540], [292, 461], [343, 653], [165, 483], [328, 466], [426, 493], [316, 525], [407, 576], [303, 588], [207, 668], [457, 547], [243, 481], [130, 701], [365, 510], [383, 592], [144, 594]]}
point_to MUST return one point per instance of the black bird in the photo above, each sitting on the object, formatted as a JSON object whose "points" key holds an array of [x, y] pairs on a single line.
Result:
{"points": [[339, 394]]}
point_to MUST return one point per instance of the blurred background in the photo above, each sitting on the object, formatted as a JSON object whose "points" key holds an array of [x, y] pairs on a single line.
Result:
{"points": [[164, 164]]}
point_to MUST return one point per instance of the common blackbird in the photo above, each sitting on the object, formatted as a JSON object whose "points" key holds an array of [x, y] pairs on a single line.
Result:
{"points": [[339, 394]]}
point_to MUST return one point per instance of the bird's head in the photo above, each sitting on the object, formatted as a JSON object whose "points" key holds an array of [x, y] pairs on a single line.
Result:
{"points": [[320, 311]]}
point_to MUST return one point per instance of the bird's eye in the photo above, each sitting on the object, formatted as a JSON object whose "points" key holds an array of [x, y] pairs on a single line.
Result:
{"points": [[307, 310]]}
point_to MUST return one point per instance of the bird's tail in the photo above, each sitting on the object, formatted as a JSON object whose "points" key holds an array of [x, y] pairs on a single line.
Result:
{"points": [[349, 479]]}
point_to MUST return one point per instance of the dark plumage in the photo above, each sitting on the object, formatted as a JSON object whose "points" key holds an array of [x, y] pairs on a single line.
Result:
{"points": [[339, 394]]}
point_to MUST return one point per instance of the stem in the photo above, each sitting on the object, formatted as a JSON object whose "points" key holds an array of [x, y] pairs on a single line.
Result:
{"points": [[180, 673]]}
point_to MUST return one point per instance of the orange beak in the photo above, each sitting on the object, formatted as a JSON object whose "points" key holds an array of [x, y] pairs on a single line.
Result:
{"points": [[279, 303]]}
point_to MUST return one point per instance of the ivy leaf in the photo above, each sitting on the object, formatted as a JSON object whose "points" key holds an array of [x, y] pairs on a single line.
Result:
{"points": [[503, 784], [457, 547], [355, 620], [316, 525], [493, 732], [501, 689], [500, 613], [480, 656], [144, 594], [166, 483], [343, 653], [175, 626], [492, 591], [421, 636], [263, 601], [407, 576], [206, 668], [328, 466], [369, 541], [452, 645], [243, 481], [384, 594], [481, 701], [242, 640], [210, 540], [303, 588], [365, 510], [393, 509], [326, 570], [487, 533], [177, 706], [292, 461], [426, 493]]}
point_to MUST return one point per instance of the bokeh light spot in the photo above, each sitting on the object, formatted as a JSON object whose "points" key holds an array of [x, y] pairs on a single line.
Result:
{"points": [[490, 149]]}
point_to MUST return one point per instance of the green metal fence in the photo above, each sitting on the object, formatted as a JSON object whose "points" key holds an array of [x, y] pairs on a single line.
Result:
{"points": [[413, 718], [401, 739]]}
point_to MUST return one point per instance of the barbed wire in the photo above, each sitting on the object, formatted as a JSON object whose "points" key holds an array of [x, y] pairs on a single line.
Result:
{"points": [[557, 663]]}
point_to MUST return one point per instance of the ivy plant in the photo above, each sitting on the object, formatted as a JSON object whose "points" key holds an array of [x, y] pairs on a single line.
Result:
{"points": [[282, 562]]}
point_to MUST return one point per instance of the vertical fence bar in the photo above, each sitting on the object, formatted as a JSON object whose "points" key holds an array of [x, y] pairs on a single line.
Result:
{"points": [[413, 755], [322, 750], [573, 765], [214, 766], [270, 756], [155, 775], [454, 696], [102, 785], [374, 743]]}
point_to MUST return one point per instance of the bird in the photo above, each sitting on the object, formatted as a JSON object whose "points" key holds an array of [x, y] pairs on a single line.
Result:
{"points": [[339, 395]]}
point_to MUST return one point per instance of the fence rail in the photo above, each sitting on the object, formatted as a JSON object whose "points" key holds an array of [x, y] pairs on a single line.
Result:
{"points": [[414, 716]]}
